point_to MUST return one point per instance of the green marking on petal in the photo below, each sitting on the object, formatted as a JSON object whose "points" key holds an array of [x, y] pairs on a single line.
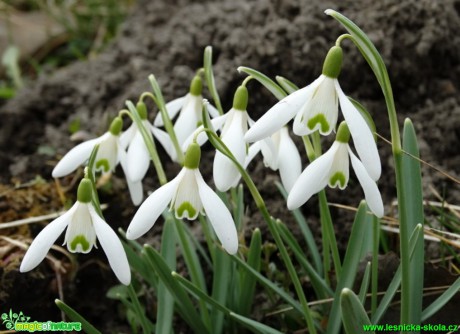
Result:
{"points": [[321, 120], [186, 206], [103, 164], [79, 239], [338, 179]]}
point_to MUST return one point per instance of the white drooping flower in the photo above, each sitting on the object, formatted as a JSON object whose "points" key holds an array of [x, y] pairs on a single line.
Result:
{"points": [[110, 153], [189, 108], [84, 226], [138, 156], [332, 168], [315, 108], [279, 153], [188, 196], [235, 125]]}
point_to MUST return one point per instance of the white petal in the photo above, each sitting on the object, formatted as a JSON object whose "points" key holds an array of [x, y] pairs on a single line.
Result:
{"points": [[44, 240], [80, 226], [224, 171], [74, 158], [107, 153], [289, 161], [188, 119], [165, 141], [135, 188], [172, 108], [340, 164], [186, 202], [313, 179], [138, 158], [213, 111], [252, 152], [127, 136], [371, 191], [269, 148], [362, 136], [278, 115], [112, 247], [151, 209], [219, 216]]}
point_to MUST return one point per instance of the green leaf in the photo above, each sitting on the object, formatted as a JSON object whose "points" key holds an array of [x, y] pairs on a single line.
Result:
{"points": [[350, 266], [221, 287], [412, 179], [248, 281], [353, 314], [365, 283], [165, 310], [256, 326], [441, 300], [287, 85], [207, 63], [185, 306], [76, 317], [268, 83]]}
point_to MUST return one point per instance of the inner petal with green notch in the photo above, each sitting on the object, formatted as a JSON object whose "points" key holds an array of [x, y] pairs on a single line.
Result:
{"points": [[79, 244], [186, 210], [338, 179], [103, 164], [319, 119]]}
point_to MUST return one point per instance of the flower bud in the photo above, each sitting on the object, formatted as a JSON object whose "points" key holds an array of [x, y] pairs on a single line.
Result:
{"points": [[141, 110], [116, 126], [196, 86], [192, 156], [343, 133], [85, 191]]}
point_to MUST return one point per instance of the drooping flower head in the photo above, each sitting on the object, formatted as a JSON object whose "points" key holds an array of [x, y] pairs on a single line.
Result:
{"points": [[235, 126], [84, 226], [332, 168], [188, 196], [189, 108], [315, 108], [109, 154]]}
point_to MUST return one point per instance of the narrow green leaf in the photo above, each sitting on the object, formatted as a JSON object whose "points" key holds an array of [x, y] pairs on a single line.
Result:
{"points": [[165, 309], [185, 305], [321, 288], [396, 281], [350, 266], [255, 326], [287, 85], [412, 179], [248, 281], [365, 283], [270, 285], [221, 286], [268, 83], [76, 317], [354, 316], [208, 72], [308, 235], [441, 300]]}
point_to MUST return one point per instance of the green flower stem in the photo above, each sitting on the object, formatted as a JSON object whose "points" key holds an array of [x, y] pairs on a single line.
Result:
{"points": [[311, 155], [148, 94], [148, 141], [219, 145], [375, 61], [138, 309], [89, 174], [160, 102], [246, 80], [208, 236], [375, 263]]}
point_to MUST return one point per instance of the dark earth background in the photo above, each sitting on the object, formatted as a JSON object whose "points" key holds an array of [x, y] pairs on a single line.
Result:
{"points": [[418, 40]]}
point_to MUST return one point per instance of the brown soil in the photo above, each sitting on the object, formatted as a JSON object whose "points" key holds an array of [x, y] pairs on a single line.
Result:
{"points": [[418, 40]]}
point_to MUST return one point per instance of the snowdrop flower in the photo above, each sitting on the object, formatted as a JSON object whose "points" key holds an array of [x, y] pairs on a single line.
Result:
{"points": [[279, 153], [83, 227], [138, 157], [188, 196], [332, 168], [190, 107], [108, 156], [315, 108], [235, 125]]}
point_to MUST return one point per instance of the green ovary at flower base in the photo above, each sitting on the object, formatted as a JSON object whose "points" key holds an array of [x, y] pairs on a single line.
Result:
{"points": [[188, 196], [84, 226], [332, 168]]}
